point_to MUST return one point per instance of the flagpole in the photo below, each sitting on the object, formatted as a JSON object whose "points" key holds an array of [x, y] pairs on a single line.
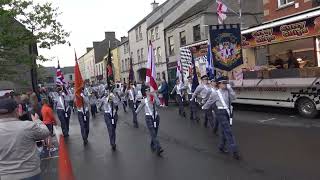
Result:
{"points": [[240, 14]]}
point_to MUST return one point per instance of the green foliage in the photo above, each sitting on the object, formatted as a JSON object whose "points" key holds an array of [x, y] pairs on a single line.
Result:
{"points": [[23, 25]]}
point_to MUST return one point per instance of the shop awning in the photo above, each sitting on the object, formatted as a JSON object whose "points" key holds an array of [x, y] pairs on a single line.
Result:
{"points": [[284, 21]]}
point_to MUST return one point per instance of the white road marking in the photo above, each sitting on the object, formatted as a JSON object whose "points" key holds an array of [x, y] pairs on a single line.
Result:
{"points": [[271, 119]]}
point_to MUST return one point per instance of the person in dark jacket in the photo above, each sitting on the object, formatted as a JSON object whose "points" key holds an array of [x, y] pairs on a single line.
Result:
{"points": [[164, 90], [292, 61]]}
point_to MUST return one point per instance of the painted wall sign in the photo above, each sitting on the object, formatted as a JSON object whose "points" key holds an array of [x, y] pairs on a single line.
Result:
{"points": [[287, 32]]}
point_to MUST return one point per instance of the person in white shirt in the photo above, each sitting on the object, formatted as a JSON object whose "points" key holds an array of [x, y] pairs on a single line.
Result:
{"points": [[63, 110], [110, 117], [84, 117], [194, 107], [179, 89], [133, 103], [150, 102], [221, 100]]}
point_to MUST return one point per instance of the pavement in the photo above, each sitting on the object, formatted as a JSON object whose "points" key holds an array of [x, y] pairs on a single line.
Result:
{"points": [[275, 143]]}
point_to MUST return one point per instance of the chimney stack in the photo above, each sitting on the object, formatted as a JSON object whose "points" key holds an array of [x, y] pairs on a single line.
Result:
{"points": [[89, 49], [123, 38], [110, 35], [154, 5]]}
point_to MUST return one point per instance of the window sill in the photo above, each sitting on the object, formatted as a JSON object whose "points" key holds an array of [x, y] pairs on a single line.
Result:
{"points": [[285, 6]]}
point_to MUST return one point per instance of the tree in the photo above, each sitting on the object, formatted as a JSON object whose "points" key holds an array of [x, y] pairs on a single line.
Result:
{"points": [[24, 25]]}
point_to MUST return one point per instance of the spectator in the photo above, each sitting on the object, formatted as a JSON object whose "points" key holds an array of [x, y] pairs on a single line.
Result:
{"points": [[49, 120], [292, 61], [278, 62], [162, 104], [35, 106], [164, 90], [19, 158], [24, 108]]}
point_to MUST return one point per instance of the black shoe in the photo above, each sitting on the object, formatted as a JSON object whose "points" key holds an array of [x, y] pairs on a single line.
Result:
{"points": [[236, 156], [67, 135], [223, 151], [159, 152], [184, 114], [215, 132], [113, 147], [85, 142], [205, 125], [136, 126], [153, 149]]}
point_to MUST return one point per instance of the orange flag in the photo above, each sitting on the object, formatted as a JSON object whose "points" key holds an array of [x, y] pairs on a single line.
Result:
{"points": [[78, 84]]}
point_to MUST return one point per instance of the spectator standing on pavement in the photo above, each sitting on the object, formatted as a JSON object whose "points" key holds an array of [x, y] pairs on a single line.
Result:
{"points": [[19, 158], [49, 120], [164, 90], [23, 107], [35, 105]]}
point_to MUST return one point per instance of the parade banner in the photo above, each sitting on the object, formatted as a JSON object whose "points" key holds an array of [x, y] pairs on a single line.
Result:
{"points": [[226, 47], [287, 32], [199, 52]]}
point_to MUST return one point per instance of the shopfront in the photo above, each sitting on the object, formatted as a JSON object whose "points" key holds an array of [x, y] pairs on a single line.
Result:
{"points": [[266, 45]]}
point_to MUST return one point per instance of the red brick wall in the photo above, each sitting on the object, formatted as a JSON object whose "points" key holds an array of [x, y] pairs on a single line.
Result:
{"points": [[271, 10]]}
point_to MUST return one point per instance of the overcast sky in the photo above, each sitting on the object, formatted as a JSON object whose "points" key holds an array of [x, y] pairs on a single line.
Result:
{"points": [[87, 20]]}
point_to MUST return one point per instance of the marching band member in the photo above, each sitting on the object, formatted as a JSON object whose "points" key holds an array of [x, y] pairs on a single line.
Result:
{"points": [[84, 117], [63, 110], [111, 118], [192, 104], [221, 100], [133, 103], [150, 103], [179, 89], [201, 94]]}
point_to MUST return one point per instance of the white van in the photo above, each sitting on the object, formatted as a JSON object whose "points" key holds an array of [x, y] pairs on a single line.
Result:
{"points": [[300, 93]]}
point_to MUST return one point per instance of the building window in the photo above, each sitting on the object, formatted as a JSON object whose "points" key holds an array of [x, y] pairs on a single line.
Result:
{"points": [[70, 77], [126, 48], [282, 3], [152, 34], [140, 33], [122, 65], [171, 46], [138, 55], [159, 54], [183, 40], [158, 76], [196, 33], [157, 32], [137, 35], [142, 57], [155, 56]]}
